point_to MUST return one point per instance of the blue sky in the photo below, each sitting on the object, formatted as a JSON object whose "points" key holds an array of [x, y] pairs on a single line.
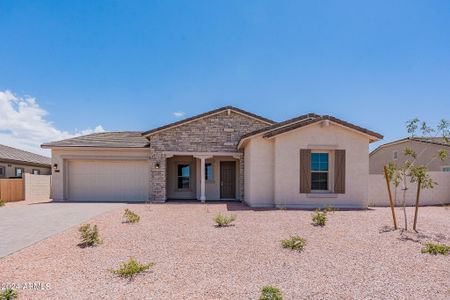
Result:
{"points": [[130, 65]]}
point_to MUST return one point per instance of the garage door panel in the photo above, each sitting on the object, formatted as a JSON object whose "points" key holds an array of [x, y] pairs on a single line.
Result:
{"points": [[104, 180]]}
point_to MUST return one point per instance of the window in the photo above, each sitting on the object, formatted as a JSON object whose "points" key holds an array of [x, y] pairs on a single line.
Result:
{"points": [[446, 169], [319, 171], [208, 171], [2, 171], [36, 172], [19, 172], [395, 154], [184, 176]]}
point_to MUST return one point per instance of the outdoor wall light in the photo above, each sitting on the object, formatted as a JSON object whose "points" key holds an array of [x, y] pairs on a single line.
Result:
{"points": [[157, 165], [55, 166]]}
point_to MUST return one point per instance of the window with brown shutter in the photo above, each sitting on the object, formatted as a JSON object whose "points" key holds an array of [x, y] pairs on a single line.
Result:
{"points": [[305, 171], [339, 172]]}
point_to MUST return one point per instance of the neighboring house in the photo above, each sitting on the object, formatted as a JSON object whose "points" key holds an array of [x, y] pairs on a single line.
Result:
{"points": [[15, 162], [224, 154], [425, 148]]}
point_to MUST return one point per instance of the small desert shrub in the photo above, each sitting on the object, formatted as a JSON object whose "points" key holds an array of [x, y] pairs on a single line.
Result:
{"points": [[270, 293], [319, 218], [8, 294], [330, 208], [131, 267], [130, 216], [436, 249], [222, 220], [89, 236], [2, 202], [294, 243]]}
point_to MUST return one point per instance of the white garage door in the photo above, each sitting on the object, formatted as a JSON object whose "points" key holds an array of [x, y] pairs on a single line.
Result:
{"points": [[108, 180]]}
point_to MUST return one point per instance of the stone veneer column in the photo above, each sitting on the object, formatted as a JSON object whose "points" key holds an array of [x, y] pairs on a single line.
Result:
{"points": [[158, 176], [241, 176]]}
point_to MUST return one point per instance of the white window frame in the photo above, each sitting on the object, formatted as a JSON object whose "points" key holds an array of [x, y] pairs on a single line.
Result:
{"points": [[4, 171], [38, 172]]}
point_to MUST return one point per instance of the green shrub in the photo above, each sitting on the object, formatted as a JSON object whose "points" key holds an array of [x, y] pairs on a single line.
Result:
{"points": [[270, 293], [2, 202], [131, 267], [330, 208], [8, 294], [319, 218], [89, 236], [130, 216], [294, 243], [222, 220], [436, 249]]}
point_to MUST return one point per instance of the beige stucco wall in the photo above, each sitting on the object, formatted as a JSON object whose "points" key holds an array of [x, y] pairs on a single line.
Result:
{"points": [[272, 168], [258, 172], [62, 156], [10, 169], [426, 154], [440, 194]]}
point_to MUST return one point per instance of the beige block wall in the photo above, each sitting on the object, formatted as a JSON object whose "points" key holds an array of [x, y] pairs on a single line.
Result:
{"points": [[439, 195], [61, 157], [37, 187], [273, 169], [10, 169], [426, 154]]}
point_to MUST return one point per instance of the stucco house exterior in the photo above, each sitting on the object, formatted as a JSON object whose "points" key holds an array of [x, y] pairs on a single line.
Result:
{"points": [[425, 148], [15, 162], [224, 154]]}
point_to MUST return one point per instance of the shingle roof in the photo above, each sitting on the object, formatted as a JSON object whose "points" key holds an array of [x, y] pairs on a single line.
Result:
{"points": [[268, 121], [124, 139], [16, 155]]}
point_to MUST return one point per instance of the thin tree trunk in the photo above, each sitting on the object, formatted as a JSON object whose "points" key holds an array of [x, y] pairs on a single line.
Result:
{"points": [[404, 202]]}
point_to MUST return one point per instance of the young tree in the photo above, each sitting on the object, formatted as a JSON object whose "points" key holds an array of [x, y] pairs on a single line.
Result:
{"points": [[410, 171]]}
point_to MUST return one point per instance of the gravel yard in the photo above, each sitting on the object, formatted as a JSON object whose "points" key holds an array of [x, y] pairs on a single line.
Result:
{"points": [[355, 256]]}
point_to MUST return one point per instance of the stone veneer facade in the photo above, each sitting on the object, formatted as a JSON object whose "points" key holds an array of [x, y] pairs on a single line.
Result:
{"points": [[219, 132]]}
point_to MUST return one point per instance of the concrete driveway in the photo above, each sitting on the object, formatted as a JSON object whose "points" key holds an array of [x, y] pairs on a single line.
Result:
{"points": [[24, 225]]}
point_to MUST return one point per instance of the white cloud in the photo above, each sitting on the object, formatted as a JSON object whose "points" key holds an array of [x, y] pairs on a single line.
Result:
{"points": [[179, 114], [23, 124]]}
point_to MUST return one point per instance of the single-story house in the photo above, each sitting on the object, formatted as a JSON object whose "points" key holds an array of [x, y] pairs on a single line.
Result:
{"points": [[15, 162], [426, 149], [224, 154]]}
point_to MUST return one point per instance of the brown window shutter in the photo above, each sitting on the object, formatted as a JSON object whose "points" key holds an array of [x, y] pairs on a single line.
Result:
{"points": [[305, 171], [339, 171]]}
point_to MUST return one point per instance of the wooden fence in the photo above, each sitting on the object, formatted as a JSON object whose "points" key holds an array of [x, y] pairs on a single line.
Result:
{"points": [[12, 189]]}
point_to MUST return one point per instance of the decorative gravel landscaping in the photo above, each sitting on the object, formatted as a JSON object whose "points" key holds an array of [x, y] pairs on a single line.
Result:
{"points": [[355, 256]]}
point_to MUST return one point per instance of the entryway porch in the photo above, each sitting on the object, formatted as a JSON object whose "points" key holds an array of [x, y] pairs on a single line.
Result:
{"points": [[203, 176]]}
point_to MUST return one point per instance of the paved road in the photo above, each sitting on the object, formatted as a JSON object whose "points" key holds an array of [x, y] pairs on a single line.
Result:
{"points": [[22, 226]]}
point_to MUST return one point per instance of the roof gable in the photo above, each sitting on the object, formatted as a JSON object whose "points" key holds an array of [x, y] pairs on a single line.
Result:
{"points": [[207, 114], [305, 120]]}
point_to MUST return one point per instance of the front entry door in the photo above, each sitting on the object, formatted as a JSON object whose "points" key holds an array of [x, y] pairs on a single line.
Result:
{"points": [[228, 179]]}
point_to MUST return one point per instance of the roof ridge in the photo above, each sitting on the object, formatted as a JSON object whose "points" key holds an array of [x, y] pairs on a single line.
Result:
{"points": [[211, 112]]}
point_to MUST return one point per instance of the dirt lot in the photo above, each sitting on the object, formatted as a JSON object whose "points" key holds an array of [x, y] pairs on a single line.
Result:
{"points": [[355, 256]]}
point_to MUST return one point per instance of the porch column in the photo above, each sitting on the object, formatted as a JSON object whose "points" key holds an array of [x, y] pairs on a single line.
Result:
{"points": [[203, 159], [202, 179]]}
